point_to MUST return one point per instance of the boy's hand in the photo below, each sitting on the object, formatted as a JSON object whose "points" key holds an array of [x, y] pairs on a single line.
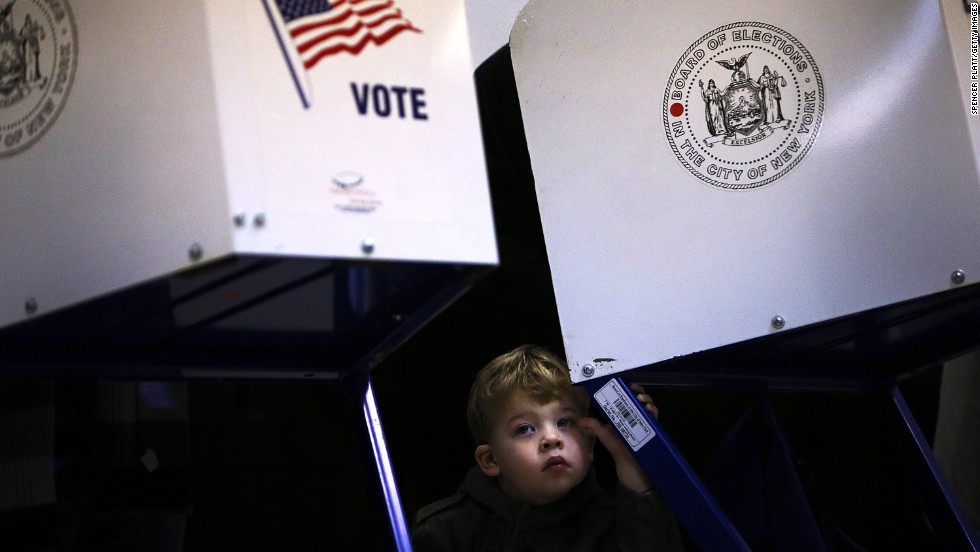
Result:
{"points": [[628, 472], [645, 400]]}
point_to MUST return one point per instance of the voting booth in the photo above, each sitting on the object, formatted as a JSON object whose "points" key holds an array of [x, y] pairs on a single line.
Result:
{"points": [[224, 190], [216, 151], [770, 193]]}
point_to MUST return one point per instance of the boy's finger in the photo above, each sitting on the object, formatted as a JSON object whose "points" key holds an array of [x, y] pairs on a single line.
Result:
{"points": [[591, 424], [605, 433], [601, 430], [645, 399]]}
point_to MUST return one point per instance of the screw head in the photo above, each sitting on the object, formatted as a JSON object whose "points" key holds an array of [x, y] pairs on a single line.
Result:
{"points": [[588, 370], [778, 322], [195, 252], [259, 220], [367, 246], [30, 305], [239, 219], [958, 277]]}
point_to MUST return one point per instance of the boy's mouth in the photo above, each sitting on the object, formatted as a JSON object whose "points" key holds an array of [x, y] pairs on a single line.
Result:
{"points": [[555, 462]]}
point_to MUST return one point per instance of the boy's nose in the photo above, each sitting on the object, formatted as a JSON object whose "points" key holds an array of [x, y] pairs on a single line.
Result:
{"points": [[551, 441]]}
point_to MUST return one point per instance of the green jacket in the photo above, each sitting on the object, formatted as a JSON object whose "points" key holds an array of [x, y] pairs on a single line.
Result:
{"points": [[481, 518]]}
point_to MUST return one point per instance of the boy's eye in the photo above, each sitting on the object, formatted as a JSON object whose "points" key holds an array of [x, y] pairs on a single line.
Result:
{"points": [[565, 422], [523, 428]]}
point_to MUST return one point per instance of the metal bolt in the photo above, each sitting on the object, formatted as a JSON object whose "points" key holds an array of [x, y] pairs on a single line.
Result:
{"points": [[588, 370], [958, 277], [367, 246], [778, 322], [259, 220], [239, 219], [195, 252], [30, 306]]}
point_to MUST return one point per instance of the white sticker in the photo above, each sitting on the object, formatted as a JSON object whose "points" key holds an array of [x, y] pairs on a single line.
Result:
{"points": [[622, 413]]}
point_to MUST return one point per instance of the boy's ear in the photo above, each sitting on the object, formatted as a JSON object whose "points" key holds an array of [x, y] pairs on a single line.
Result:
{"points": [[486, 461]]}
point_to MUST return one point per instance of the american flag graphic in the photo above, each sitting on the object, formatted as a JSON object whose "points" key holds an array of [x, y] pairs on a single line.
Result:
{"points": [[321, 28]]}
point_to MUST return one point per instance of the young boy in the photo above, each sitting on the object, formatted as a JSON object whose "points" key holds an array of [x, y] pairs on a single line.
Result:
{"points": [[533, 487]]}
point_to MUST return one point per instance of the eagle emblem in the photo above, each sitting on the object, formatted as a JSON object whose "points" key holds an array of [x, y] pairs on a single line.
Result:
{"points": [[743, 105]]}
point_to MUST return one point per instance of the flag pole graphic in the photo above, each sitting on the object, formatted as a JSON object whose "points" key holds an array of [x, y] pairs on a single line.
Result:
{"points": [[293, 61]]}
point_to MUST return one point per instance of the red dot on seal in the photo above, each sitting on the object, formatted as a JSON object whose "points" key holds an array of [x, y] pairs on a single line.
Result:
{"points": [[677, 110]]}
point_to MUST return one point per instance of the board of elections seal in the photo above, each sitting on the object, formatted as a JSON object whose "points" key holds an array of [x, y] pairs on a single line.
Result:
{"points": [[743, 105], [38, 57]]}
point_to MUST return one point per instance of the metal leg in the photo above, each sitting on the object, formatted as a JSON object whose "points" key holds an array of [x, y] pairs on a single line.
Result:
{"points": [[753, 476], [690, 501], [700, 513], [396, 515], [941, 507]]}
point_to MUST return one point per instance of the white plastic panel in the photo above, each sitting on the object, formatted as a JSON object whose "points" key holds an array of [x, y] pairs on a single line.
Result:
{"points": [[118, 187], [963, 24], [655, 257], [179, 126], [383, 145], [489, 24]]}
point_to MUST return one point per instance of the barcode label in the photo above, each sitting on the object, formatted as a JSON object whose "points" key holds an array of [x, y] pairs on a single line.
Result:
{"points": [[625, 412], [614, 400]]}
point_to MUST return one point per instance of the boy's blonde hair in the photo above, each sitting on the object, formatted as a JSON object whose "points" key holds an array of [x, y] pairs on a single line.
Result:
{"points": [[530, 369]]}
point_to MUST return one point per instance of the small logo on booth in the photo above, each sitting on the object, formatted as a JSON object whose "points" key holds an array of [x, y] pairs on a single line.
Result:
{"points": [[350, 195], [347, 179], [38, 57], [743, 105]]}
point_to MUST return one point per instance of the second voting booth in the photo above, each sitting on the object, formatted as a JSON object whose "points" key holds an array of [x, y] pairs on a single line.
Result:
{"points": [[775, 195], [236, 191]]}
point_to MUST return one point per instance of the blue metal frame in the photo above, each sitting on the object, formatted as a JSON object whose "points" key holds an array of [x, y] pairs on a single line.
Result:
{"points": [[208, 328], [942, 508], [386, 475], [681, 488], [711, 529]]}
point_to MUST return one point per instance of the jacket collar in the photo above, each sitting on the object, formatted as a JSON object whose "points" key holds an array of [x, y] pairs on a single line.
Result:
{"points": [[485, 490]]}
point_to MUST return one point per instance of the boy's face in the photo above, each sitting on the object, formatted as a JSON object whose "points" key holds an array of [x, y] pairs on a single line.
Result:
{"points": [[537, 451]]}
